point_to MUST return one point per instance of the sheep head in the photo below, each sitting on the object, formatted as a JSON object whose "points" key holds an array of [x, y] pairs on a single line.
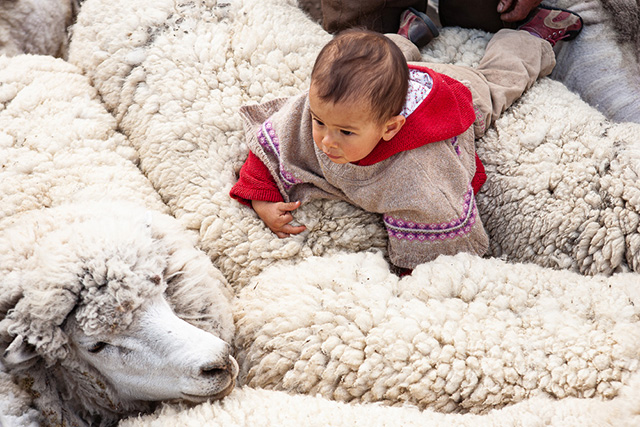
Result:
{"points": [[84, 310]]}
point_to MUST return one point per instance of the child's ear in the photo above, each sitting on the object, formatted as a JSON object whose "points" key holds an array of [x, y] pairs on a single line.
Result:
{"points": [[393, 126]]}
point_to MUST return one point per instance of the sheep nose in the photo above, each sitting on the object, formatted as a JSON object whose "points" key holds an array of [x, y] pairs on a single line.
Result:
{"points": [[223, 365], [211, 370]]}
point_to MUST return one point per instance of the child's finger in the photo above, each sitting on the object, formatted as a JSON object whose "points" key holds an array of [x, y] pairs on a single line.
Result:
{"points": [[293, 229], [290, 206]]}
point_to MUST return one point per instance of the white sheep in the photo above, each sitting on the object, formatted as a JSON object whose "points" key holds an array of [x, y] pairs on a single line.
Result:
{"points": [[175, 74], [562, 192], [92, 269], [460, 334], [562, 180], [562, 188], [247, 406], [86, 327], [36, 26]]}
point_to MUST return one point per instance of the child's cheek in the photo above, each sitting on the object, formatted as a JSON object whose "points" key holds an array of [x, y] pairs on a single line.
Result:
{"points": [[316, 138]]}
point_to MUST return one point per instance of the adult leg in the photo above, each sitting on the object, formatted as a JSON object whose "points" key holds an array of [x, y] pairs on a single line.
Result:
{"points": [[480, 14], [377, 15]]}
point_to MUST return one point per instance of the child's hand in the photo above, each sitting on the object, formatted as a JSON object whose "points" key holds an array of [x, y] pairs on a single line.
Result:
{"points": [[277, 216]]}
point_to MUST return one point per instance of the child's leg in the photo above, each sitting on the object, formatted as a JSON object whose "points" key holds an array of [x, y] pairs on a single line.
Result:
{"points": [[513, 61], [409, 50]]}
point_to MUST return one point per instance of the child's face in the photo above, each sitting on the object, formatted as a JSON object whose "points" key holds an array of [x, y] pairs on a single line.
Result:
{"points": [[345, 132]]}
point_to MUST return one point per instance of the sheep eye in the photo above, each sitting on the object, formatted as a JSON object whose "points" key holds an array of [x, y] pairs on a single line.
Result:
{"points": [[97, 347]]}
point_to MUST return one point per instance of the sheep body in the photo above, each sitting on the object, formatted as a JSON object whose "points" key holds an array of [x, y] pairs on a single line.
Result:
{"points": [[215, 64], [190, 138], [82, 231], [83, 273], [562, 193], [460, 333], [58, 144], [249, 406]]}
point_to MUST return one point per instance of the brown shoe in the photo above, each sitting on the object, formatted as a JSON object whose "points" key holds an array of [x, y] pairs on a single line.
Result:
{"points": [[417, 27], [553, 24]]}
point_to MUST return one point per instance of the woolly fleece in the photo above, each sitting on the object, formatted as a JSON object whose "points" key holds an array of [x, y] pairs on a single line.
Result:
{"points": [[255, 407], [58, 144], [460, 333], [74, 204], [562, 194], [174, 75]]}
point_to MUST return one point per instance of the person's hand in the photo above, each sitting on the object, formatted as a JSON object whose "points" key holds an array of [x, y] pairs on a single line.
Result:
{"points": [[277, 217], [516, 10]]}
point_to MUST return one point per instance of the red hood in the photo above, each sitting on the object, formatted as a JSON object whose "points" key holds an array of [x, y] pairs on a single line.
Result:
{"points": [[447, 111]]}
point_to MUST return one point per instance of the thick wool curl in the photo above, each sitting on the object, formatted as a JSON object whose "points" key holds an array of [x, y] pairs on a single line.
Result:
{"points": [[459, 334], [248, 406], [58, 144], [562, 193], [175, 76], [82, 231], [91, 258]]}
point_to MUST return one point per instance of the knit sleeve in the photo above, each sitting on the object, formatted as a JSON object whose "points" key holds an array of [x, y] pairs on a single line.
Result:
{"points": [[255, 183], [480, 176]]}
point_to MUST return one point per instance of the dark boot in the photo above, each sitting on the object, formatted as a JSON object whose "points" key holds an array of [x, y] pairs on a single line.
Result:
{"points": [[480, 14], [378, 15], [417, 27]]}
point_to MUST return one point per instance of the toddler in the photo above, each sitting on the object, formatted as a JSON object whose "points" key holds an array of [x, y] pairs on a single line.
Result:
{"points": [[392, 137]]}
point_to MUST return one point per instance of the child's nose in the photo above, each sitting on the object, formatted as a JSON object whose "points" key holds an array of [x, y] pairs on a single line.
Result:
{"points": [[328, 141]]}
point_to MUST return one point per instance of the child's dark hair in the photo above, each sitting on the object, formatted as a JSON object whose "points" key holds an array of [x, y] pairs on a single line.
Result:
{"points": [[362, 65]]}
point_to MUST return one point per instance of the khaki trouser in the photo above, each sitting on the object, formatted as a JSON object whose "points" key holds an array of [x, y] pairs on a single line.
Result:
{"points": [[513, 61]]}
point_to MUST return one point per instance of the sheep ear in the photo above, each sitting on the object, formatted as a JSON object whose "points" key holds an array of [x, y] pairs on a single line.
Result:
{"points": [[19, 354]]}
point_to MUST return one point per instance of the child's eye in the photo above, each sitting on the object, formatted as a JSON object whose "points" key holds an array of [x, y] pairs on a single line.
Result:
{"points": [[318, 122], [346, 132]]}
